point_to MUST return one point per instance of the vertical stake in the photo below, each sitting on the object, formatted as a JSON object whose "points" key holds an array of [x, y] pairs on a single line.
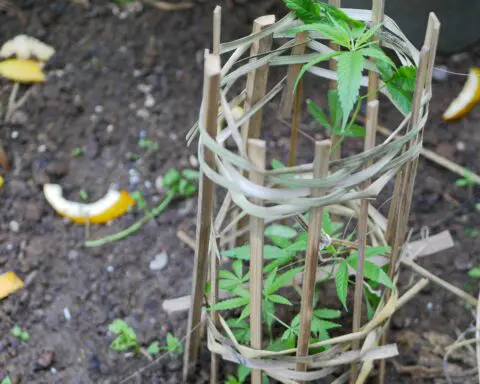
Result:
{"points": [[205, 210], [257, 154], [336, 140], [320, 170], [256, 90], [371, 129]]}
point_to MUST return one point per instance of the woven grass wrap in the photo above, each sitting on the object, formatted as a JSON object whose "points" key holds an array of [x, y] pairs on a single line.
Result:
{"points": [[287, 191]]}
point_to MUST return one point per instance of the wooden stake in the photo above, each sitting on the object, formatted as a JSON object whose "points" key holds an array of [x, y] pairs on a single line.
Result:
{"points": [[204, 217], [257, 79], [336, 140], [292, 74], [217, 27], [320, 170], [400, 207], [256, 89], [217, 24], [377, 17], [257, 155], [371, 130], [297, 114]]}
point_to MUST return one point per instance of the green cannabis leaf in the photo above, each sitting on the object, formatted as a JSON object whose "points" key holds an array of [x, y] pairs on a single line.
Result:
{"points": [[341, 283]]}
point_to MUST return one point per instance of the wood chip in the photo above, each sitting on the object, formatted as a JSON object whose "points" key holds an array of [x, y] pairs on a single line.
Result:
{"points": [[165, 6], [4, 160]]}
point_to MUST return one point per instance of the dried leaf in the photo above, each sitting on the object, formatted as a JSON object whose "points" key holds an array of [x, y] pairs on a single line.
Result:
{"points": [[22, 71], [9, 283], [4, 160]]}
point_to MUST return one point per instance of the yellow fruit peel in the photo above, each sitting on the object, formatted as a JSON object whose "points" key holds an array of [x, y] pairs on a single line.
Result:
{"points": [[466, 99], [9, 283], [22, 71], [113, 205]]}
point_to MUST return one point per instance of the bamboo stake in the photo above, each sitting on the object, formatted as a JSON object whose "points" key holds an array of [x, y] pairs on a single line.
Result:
{"points": [[255, 90], [371, 127], [217, 23], [297, 114], [377, 17], [205, 210], [292, 74], [320, 170], [336, 140], [257, 155], [399, 209], [217, 27], [257, 79]]}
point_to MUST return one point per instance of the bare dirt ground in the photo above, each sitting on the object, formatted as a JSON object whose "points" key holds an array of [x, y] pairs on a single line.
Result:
{"points": [[105, 69]]}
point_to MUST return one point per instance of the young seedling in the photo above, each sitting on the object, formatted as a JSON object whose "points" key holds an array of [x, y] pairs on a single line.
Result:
{"points": [[147, 144], [77, 152], [126, 337], [83, 194], [6, 380], [474, 272], [20, 333], [467, 181]]}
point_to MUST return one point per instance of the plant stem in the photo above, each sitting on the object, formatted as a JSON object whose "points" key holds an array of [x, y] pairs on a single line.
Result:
{"points": [[134, 227]]}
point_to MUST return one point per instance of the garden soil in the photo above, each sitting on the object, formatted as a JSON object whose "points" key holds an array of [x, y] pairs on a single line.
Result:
{"points": [[121, 74]]}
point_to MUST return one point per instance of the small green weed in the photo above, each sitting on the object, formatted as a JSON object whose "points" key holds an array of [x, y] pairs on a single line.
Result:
{"points": [[20, 333], [83, 194], [6, 380]]}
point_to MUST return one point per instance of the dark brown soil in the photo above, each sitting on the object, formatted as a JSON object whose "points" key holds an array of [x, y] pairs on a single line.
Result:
{"points": [[95, 99]]}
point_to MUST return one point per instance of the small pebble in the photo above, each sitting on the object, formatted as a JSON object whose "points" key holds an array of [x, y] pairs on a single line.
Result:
{"points": [[144, 88], [147, 184], [14, 226], [172, 136], [9, 246], [53, 371], [193, 161], [110, 128], [143, 113], [159, 183], [133, 176], [109, 269], [149, 101], [137, 73], [45, 360], [42, 148], [160, 261], [14, 135], [430, 306], [461, 146], [98, 109], [67, 314]]}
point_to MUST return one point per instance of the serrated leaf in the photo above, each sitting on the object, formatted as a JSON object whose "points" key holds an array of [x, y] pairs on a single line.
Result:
{"points": [[228, 304], [368, 35], [341, 283], [335, 108], [474, 272], [242, 292], [349, 71], [369, 252], [279, 299], [278, 263], [281, 280], [374, 52], [326, 313], [318, 114], [306, 10], [118, 326], [268, 312], [326, 222], [279, 230], [243, 372], [237, 267], [319, 324], [353, 130], [154, 348], [173, 344], [373, 272], [190, 174], [270, 279], [270, 252], [313, 62]]}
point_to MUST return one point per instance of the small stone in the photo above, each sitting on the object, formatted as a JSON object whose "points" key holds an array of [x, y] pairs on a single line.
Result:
{"points": [[67, 314], [461, 146], [159, 183], [45, 360], [149, 101], [110, 128], [42, 148], [143, 113], [173, 136], [98, 109], [160, 262], [147, 184], [72, 255], [14, 226], [193, 161], [460, 57], [144, 88], [429, 306], [440, 73], [137, 73], [14, 135], [110, 269]]}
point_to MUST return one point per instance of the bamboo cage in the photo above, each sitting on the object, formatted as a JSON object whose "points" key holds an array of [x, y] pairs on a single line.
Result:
{"points": [[258, 196]]}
